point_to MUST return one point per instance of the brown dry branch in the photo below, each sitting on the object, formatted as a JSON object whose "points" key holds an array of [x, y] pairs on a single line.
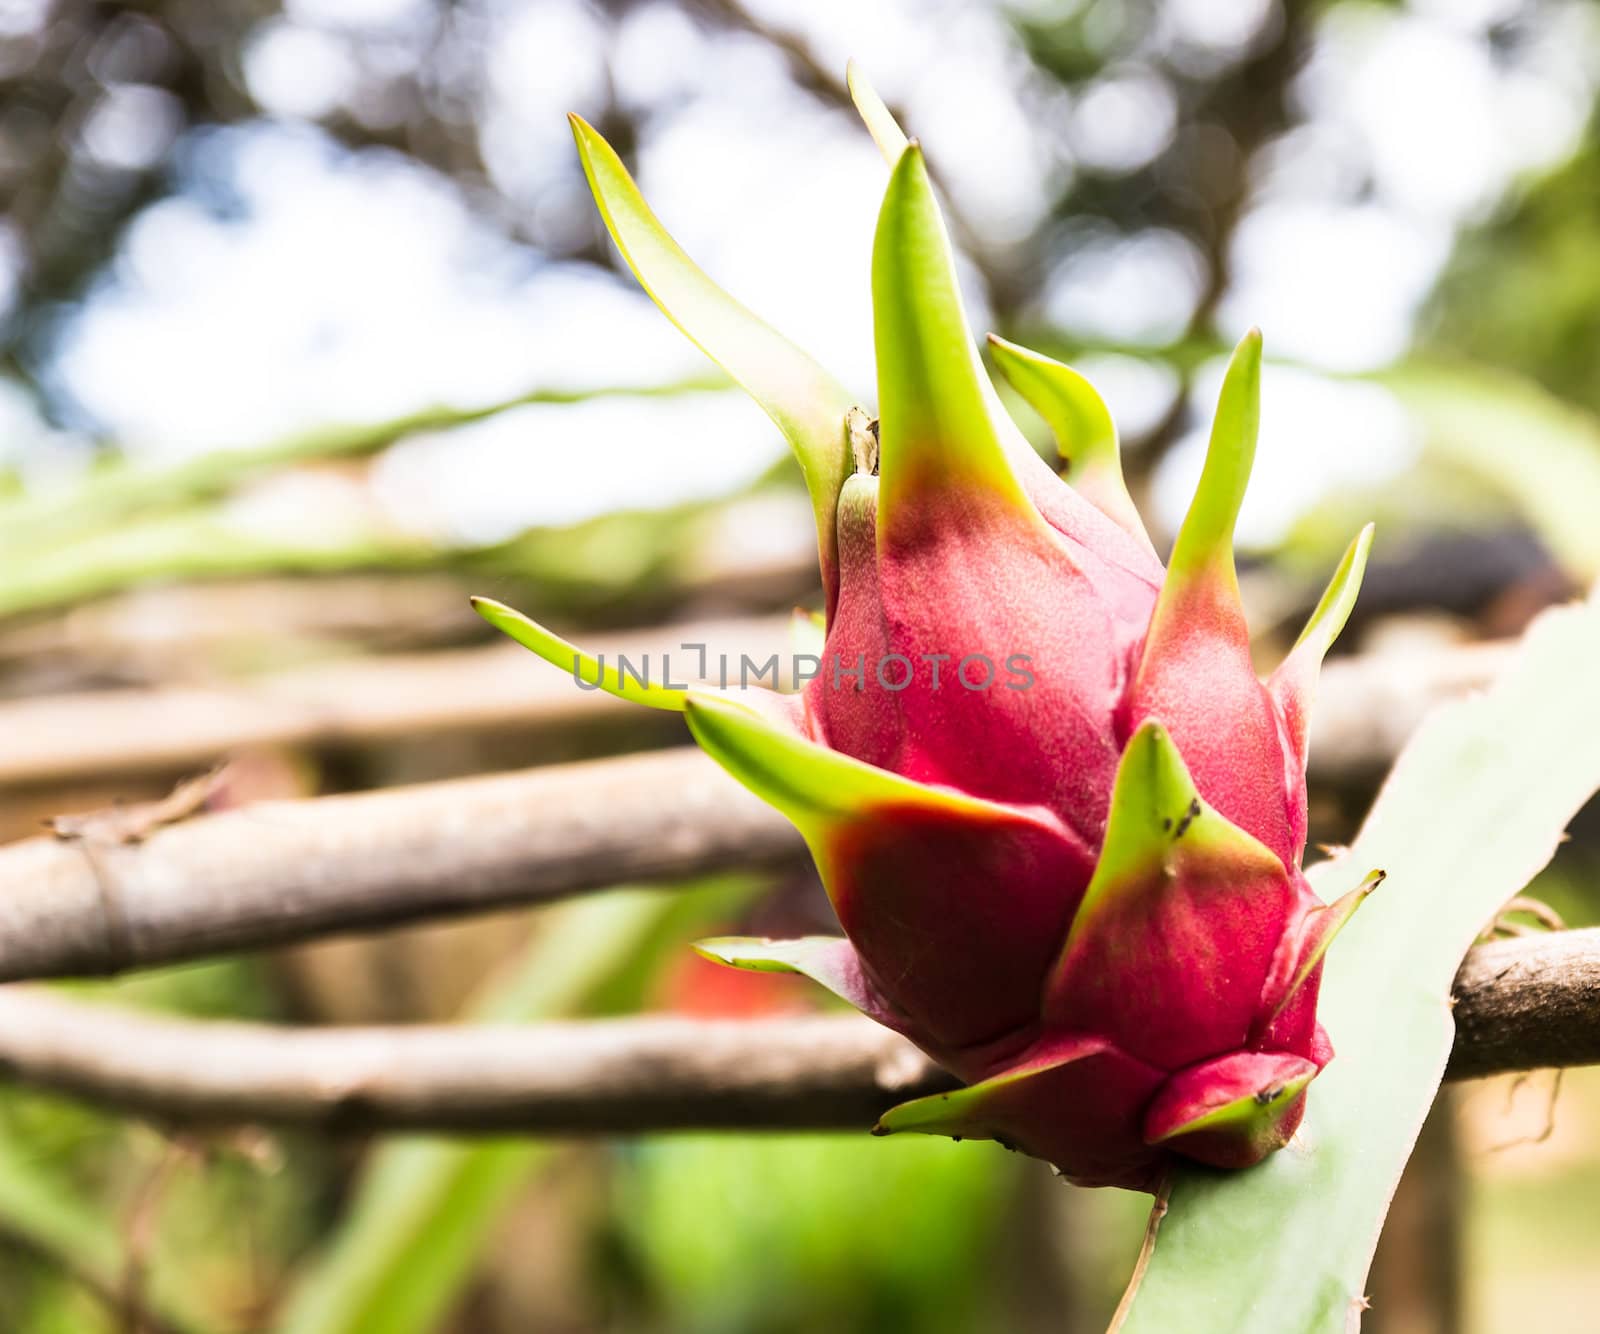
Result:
{"points": [[159, 631], [283, 871], [1534, 994], [92, 733], [578, 1077], [279, 872], [1521, 1004], [1366, 707]]}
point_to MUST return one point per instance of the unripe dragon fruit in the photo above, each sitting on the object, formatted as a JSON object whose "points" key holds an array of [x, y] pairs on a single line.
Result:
{"points": [[1077, 888]]}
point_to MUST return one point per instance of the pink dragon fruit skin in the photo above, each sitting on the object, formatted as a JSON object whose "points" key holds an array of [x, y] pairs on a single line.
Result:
{"points": [[1078, 887]]}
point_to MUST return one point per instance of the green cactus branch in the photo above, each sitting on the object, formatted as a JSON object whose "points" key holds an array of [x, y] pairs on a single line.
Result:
{"points": [[134, 525], [1521, 1003], [125, 489], [645, 557]]}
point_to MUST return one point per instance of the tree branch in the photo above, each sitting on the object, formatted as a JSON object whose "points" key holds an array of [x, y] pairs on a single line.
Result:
{"points": [[1522, 1003], [280, 872], [1528, 1002], [1368, 706], [93, 733], [1365, 707], [285, 871]]}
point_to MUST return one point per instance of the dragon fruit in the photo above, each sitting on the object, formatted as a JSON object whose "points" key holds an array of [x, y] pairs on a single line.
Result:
{"points": [[1058, 815]]}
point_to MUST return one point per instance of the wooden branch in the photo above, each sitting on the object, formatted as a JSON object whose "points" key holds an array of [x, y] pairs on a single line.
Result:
{"points": [[580, 1077], [278, 872], [93, 733], [1528, 1002], [158, 633], [1366, 707], [1522, 1003]]}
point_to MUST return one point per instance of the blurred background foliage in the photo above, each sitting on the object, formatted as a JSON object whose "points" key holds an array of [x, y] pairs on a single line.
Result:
{"points": [[308, 328]]}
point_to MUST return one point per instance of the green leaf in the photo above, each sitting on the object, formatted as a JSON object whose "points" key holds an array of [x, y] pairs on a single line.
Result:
{"points": [[558, 652], [817, 788], [1541, 453], [1204, 544], [937, 422], [880, 123], [1156, 820], [829, 961], [1199, 597], [39, 1212], [1294, 682], [832, 1234], [979, 1111], [807, 404], [122, 489], [1338, 599], [626, 556], [1086, 435], [425, 1206], [1323, 928], [807, 956], [1473, 809], [1267, 1085]]}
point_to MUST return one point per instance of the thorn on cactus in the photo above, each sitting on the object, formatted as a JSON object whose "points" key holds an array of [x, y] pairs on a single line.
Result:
{"points": [[827, 960], [1231, 1112], [1294, 682], [889, 137], [803, 400], [570, 658], [1085, 434], [939, 445]]}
